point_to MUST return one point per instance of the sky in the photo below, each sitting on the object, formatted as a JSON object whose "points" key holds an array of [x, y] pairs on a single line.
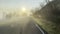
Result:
{"points": [[29, 4], [17, 4]]}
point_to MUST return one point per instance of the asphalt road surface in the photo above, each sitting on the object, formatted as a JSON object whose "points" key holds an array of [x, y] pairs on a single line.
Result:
{"points": [[21, 25]]}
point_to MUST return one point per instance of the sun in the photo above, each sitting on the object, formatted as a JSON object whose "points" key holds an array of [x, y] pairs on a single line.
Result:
{"points": [[25, 12], [23, 9]]}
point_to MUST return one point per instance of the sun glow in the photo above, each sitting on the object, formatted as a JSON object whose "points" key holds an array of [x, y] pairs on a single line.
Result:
{"points": [[23, 9], [24, 12]]}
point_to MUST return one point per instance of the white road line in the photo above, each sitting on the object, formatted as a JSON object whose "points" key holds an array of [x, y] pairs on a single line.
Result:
{"points": [[39, 28]]}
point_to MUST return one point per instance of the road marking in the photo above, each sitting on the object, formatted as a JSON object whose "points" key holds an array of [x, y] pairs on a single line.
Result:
{"points": [[39, 28]]}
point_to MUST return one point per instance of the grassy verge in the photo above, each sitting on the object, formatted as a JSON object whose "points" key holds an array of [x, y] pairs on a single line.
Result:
{"points": [[47, 26]]}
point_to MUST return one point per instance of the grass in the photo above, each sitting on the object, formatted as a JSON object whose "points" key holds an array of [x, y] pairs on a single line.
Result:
{"points": [[47, 26]]}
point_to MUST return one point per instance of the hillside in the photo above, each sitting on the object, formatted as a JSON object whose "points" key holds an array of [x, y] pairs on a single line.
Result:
{"points": [[49, 17]]}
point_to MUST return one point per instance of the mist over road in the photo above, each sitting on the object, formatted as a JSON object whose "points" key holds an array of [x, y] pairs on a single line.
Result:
{"points": [[21, 25]]}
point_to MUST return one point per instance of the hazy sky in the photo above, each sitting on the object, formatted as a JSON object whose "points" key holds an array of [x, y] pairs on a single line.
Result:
{"points": [[20, 3]]}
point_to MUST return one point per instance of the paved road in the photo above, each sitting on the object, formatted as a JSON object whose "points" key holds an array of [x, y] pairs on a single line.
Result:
{"points": [[22, 25]]}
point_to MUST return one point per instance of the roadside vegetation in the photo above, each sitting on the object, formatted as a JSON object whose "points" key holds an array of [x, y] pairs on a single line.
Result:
{"points": [[48, 17]]}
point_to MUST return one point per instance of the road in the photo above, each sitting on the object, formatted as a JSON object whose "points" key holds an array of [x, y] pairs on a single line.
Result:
{"points": [[22, 25]]}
